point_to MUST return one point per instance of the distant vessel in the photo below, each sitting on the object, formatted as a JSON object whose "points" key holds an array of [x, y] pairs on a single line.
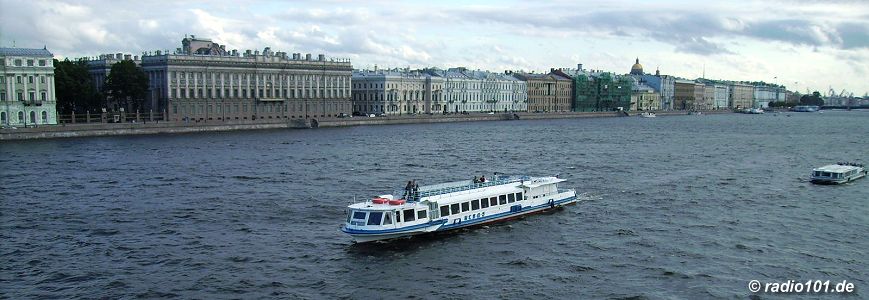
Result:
{"points": [[838, 173], [806, 108], [453, 205], [756, 111], [695, 113], [647, 114]]}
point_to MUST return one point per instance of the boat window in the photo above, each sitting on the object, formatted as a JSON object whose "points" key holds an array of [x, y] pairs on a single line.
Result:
{"points": [[374, 217], [454, 208], [445, 210], [493, 201], [349, 214], [398, 216], [511, 198], [420, 214], [359, 215], [387, 218], [484, 202], [408, 215], [519, 197], [817, 173], [475, 204], [465, 206], [502, 199]]}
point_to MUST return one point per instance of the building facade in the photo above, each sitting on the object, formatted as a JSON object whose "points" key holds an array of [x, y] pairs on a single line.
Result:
{"points": [[721, 96], [741, 95], [595, 90], [394, 92], [702, 99], [27, 94], [467, 90], [550, 92], [683, 94], [764, 94], [644, 97], [203, 82], [665, 85]]}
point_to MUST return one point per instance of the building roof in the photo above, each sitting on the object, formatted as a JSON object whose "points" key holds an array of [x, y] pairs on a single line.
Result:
{"points": [[25, 52], [637, 68]]}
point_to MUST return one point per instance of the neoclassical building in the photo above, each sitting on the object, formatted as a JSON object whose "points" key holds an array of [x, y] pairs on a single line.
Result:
{"points": [[395, 92], [27, 95], [202, 81], [550, 92]]}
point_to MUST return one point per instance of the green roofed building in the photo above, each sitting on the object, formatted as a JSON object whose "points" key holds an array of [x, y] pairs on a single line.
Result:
{"points": [[599, 91]]}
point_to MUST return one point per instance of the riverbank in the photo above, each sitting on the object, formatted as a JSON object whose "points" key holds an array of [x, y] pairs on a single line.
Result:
{"points": [[109, 129]]}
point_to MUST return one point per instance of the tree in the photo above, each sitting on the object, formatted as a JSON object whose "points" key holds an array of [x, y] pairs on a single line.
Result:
{"points": [[813, 99], [127, 84], [73, 86]]}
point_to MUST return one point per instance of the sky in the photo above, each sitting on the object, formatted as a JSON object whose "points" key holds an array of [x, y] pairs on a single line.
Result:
{"points": [[802, 44]]}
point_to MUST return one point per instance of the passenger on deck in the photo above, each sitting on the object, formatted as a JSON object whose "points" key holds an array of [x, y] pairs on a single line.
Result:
{"points": [[476, 179], [482, 178], [415, 190], [407, 189]]}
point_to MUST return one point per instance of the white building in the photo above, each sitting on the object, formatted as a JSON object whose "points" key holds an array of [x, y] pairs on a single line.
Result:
{"points": [[481, 91], [27, 95], [764, 94], [721, 96], [394, 92]]}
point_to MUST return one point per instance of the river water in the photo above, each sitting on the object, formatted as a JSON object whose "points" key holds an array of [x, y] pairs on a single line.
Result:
{"points": [[672, 207]]}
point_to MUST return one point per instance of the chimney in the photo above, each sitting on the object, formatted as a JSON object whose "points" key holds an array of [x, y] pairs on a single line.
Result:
{"points": [[136, 57], [119, 56], [234, 52], [159, 52], [321, 57], [256, 52], [308, 56], [579, 67], [127, 56]]}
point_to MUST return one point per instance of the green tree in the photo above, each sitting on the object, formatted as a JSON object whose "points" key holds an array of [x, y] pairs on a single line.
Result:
{"points": [[127, 84], [813, 99], [74, 88]]}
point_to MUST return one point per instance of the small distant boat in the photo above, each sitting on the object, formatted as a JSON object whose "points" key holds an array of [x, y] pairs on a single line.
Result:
{"points": [[806, 108], [755, 111], [695, 113], [647, 114], [838, 173]]}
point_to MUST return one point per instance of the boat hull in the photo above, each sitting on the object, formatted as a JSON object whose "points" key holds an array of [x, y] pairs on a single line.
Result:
{"points": [[825, 181]]}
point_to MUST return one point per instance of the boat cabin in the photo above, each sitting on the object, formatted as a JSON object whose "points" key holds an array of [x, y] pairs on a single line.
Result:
{"points": [[838, 173], [385, 212]]}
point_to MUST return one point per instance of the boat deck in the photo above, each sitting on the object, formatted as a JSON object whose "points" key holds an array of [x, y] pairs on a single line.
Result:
{"points": [[465, 185]]}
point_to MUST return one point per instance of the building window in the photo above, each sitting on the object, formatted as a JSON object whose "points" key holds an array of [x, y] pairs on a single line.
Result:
{"points": [[18, 79], [18, 63], [2, 96], [43, 94], [44, 117], [3, 117], [32, 117], [20, 117], [41, 79], [20, 97], [32, 96], [41, 62], [29, 62]]}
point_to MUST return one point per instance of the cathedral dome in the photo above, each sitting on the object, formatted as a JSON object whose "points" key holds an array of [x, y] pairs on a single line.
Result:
{"points": [[637, 68]]}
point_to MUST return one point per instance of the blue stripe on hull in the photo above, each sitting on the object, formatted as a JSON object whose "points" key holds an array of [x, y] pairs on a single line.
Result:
{"points": [[391, 231]]}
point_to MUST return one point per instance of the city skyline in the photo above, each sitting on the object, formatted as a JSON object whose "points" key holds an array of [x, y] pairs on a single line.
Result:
{"points": [[799, 44]]}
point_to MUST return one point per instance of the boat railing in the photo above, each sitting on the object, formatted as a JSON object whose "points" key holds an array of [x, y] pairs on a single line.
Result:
{"points": [[499, 180]]}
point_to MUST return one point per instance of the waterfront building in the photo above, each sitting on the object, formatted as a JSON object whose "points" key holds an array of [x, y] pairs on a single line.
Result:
{"points": [[393, 92], [467, 90], [741, 95], [684, 94], [551, 92], [644, 97], [664, 84], [27, 95], [764, 94], [99, 70], [701, 101], [202, 81], [596, 90], [720, 95]]}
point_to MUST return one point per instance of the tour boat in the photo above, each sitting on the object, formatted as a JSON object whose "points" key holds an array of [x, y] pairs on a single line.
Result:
{"points": [[453, 205], [838, 173]]}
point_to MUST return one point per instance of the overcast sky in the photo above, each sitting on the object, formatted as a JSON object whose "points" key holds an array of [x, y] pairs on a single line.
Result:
{"points": [[801, 44]]}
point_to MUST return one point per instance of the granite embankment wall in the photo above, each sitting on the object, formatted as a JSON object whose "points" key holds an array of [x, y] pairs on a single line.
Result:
{"points": [[107, 129]]}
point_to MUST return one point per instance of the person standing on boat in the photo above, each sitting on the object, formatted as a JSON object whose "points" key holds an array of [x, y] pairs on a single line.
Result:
{"points": [[415, 190], [407, 189], [476, 179], [482, 178]]}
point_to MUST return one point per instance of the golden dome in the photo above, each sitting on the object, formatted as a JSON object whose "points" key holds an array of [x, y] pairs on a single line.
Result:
{"points": [[637, 68]]}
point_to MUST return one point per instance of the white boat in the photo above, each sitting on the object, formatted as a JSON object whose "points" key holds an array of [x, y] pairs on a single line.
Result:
{"points": [[453, 205], [838, 173], [647, 114], [755, 111]]}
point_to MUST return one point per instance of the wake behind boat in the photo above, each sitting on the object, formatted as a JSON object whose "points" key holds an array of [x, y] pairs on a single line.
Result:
{"points": [[453, 205]]}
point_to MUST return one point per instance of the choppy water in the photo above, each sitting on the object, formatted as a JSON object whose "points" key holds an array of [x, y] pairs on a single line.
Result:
{"points": [[685, 207]]}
